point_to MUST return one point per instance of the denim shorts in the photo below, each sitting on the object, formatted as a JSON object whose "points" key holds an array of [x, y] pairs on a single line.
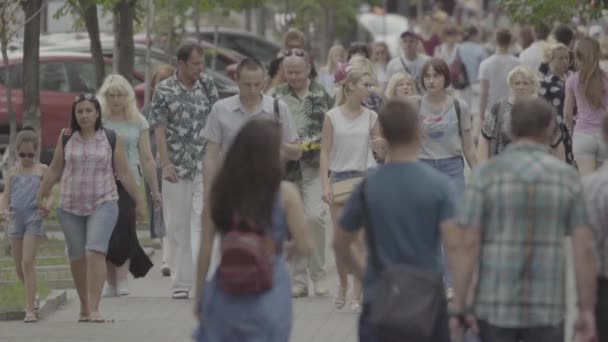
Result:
{"points": [[335, 177], [24, 221], [88, 233], [589, 146], [451, 167]]}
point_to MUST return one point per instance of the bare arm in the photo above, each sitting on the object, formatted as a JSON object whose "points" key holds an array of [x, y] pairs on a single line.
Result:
{"points": [[53, 173], [483, 149], [483, 100], [5, 198], [204, 255], [161, 146], [585, 267], [210, 165], [468, 148], [462, 247], [569, 103], [292, 150], [147, 161], [327, 136], [296, 220], [559, 151]]}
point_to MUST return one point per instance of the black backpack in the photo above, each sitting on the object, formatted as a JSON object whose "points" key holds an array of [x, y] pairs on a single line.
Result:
{"points": [[66, 134]]}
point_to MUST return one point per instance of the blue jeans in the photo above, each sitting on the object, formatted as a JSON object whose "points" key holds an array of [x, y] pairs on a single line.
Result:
{"points": [[343, 175], [454, 169]]}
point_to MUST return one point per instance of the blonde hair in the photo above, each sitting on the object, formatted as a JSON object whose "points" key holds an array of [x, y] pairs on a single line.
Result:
{"points": [[549, 50], [331, 65], [524, 71], [27, 136], [364, 65], [354, 76], [394, 81], [117, 83], [588, 54], [161, 73]]}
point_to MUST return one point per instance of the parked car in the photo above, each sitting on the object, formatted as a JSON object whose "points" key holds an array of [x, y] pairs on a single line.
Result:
{"points": [[243, 42], [64, 75], [226, 62]]}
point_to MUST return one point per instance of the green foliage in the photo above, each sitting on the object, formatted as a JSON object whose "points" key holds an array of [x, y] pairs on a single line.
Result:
{"points": [[548, 11], [12, 297], [8, 19]]}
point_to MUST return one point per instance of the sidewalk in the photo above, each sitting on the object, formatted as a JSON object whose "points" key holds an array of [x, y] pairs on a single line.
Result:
{"points": [[148, 314]]}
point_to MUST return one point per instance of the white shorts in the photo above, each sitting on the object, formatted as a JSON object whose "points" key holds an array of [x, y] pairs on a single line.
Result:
{"points": [[589, 146]]}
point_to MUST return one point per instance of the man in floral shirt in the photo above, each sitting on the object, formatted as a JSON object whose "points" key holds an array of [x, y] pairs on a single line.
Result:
{"points": [[180, 107], [308, 101]]}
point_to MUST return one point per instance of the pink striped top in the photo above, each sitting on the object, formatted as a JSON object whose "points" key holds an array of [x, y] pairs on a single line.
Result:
{"points": [[88, 177]]}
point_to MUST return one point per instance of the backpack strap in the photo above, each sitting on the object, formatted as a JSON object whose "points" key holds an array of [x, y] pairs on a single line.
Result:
{"points": [[111, 135], [277, 113], [458, 113]]}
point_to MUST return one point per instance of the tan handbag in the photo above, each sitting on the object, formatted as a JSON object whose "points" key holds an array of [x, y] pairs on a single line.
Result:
{"points": [[342, 190]]}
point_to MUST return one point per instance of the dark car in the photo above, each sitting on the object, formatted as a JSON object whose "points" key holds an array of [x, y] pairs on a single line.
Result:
{"points": [[243, 42]]}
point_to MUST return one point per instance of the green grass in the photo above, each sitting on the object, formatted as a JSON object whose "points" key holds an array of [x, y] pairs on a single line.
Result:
{"points": [[12, 297]]}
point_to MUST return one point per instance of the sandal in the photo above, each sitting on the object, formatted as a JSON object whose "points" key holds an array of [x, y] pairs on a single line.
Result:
{"points": [[30, 318], [355, 306], [98, 318], [83, 319], [340, 300]]}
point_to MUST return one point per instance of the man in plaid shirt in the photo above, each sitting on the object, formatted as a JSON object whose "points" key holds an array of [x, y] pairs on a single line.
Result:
{"points": [[518, 208], [596, 195]]}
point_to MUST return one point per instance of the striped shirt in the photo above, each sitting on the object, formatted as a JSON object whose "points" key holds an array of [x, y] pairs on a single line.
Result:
{"points": [[525, 201], [88, 176], [596, 195]]}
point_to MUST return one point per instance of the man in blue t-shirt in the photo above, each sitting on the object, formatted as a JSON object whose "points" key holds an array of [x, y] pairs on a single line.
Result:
{"points": [[411, 208]]}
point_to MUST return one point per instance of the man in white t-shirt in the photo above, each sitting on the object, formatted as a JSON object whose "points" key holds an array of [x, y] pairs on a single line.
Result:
{"points": [[532, 57], [411, 62], [493, 74]]}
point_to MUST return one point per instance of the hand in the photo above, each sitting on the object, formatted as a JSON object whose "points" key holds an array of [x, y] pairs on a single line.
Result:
{"points": [[140, 213], [157, 200], [378, 145], [584, 327], [44, 211], [327, 196], [169, 173]]}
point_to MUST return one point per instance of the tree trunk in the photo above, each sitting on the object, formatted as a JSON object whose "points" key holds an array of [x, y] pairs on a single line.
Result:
{"points": [[196, 17], [12, 117], [89, 14], [248, 19], [125, 14], [261, 20], [31, 65]]}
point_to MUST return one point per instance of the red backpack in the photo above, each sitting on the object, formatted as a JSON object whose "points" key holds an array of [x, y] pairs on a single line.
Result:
{"points": [[246, 264]]}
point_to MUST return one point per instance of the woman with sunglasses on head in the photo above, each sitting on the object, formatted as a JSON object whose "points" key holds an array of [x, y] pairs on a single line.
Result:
{"points": [[18, 205], [119, 112], [86, 159], [349, 131]]}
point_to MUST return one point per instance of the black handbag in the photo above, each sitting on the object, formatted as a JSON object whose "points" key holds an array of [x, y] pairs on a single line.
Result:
{"points": [[407, 300]]}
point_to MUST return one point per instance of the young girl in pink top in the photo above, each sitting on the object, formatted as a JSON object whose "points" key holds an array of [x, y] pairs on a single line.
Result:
{"points": [[587, 89]]}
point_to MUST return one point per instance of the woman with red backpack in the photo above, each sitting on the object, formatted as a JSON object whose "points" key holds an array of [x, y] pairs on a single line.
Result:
{"points": [[249, 297]]}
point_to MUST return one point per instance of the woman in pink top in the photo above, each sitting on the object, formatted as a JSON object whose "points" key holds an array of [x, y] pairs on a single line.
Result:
{"points": [[88, 206], [587, 89]]}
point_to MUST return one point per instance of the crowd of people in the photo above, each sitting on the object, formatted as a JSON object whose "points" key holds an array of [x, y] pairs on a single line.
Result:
{"points": [[243, 191]]}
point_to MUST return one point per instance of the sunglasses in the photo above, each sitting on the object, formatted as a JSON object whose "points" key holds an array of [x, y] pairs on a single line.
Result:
{"points": [[296, 52], [26, 155], [85, 97]]}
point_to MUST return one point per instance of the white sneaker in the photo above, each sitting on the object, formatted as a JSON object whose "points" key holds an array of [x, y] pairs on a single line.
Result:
{"points": [[109, 291], [320, 287], [122, 288]]}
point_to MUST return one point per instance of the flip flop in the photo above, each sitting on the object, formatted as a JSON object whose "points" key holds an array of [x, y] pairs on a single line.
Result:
{"points": [[30, 319], [83, 319], [97, 318]]}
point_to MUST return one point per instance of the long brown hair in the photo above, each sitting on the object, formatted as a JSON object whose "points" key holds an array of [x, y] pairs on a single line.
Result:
{"points": [[246, 185], [588, 54]]}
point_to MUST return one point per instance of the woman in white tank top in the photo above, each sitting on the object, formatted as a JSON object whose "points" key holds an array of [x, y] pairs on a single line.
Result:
{"points": [[349, 131]]}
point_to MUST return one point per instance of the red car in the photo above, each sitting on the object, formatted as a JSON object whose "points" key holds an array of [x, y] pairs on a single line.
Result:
{"points": [[63, 76]]}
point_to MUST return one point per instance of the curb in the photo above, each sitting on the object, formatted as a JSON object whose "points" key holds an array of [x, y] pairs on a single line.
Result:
{"points": [[55, 299]]}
